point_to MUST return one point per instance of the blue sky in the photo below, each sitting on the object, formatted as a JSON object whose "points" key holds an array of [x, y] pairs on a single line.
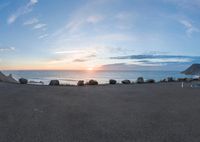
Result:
{"points": [[99, 34]]}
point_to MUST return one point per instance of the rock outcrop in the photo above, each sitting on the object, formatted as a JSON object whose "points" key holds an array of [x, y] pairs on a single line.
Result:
{"points": [[192, 70], [9, 78]]}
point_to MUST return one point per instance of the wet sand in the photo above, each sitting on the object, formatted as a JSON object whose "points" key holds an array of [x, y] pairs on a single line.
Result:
{"points": [[106, 113]]}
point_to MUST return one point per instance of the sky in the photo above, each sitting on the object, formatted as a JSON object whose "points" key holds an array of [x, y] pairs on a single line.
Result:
{"points": [[99, 34]]}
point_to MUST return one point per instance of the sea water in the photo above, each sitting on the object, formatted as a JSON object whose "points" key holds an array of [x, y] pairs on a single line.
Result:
{"points": [[72, 77]]}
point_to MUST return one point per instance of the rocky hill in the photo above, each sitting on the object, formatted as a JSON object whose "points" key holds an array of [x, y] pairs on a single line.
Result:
{"points": [[192, 70]]}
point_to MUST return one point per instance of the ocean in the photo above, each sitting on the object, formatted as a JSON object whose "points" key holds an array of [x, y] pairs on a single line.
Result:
{"points": [[72, 77]]}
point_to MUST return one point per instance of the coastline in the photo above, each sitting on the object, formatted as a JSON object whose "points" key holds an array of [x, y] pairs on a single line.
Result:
{"points": [[71, 77]]}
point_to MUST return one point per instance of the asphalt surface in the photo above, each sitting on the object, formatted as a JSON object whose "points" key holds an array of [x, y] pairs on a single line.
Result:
{"points": [[112, 113]]}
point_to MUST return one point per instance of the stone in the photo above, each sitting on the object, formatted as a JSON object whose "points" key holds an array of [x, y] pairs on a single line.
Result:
{"points": [[54, 83], [140, 80], [112, 81], [23, 81], [126, 82], [80, 83], [92, 82]]}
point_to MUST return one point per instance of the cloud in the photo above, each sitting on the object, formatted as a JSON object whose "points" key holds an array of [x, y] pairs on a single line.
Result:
{"points": [[43, 36], [3, 49], [69, 51], [39, 26], [91, 56], [157, 60], [21, 11], [190, 28], [31, 21], [77, 23], [32, 2], [80, 60], [86, 58], [94, 19], [154, 57], [89, 13]]}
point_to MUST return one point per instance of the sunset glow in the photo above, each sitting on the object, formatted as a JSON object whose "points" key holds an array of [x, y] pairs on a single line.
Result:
{"points": [[90, 69]]}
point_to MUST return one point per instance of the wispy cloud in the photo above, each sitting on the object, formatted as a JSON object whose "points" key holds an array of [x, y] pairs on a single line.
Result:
{"points": [[80, 60], [94, 19], [190, 28], [43, 36], [158, 59], [3, 49], [39, 26], [21, 11], [77, 23], [69, 51], [154, 57], [31, 21]]}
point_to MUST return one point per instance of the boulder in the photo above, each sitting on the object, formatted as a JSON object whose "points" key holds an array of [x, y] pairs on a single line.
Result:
{"points": [[23, 81], [150, 81], [112, 81], [54, 83], [140, 80], [80, 83], [92, 82], [126, 82]]}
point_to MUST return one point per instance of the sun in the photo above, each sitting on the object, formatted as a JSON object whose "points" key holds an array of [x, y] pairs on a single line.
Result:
{"points": [[90, 69]]}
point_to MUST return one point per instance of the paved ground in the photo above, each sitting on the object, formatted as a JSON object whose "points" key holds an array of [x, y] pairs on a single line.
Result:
{"points": [[118, 113]]}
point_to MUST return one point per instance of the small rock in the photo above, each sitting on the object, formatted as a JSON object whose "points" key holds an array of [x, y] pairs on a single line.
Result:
{"points": [[92, 82], [112, 81], [126, 82], [140, 80], [80, 83]]}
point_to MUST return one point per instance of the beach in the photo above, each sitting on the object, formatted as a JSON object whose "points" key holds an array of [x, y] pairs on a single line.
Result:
{"points": [[161, 112]]}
